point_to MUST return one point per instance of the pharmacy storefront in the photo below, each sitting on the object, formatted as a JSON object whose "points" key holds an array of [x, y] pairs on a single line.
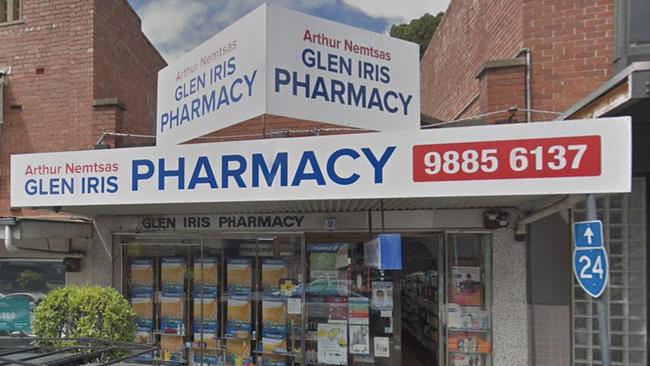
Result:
{"points": [[386, 248], [357, 249]]}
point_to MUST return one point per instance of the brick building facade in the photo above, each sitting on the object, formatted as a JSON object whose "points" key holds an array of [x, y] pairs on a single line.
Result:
{"points": [[464, 72], [82, 68], [74, 69], [558, 60]]}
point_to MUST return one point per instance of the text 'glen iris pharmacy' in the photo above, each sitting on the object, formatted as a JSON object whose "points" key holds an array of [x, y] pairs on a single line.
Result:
{"points": [[541, 158]]}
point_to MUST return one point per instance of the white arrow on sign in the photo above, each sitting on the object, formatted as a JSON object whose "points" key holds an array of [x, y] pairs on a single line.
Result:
{"points": [[588, 234]]}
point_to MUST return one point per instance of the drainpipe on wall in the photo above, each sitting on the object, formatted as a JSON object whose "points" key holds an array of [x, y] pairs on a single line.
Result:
{"points": [[529, 98], [8, 223], [2, 81]]}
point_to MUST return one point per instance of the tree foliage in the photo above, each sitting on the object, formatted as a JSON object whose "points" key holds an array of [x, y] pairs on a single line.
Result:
{"points": [[87, 311], [31, 281], [418, 30]]}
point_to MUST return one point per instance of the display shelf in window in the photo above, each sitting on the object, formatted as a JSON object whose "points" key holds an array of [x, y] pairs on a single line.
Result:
{"points": [[467, 318], [142, 292], [172, 315], [173, 308], [172, 348], [466, 359], [420, 308], [468, 342]]}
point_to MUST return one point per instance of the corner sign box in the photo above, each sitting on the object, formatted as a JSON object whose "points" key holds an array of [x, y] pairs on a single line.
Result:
{"points": [[588, 156], [384, 252], [281, 62]]}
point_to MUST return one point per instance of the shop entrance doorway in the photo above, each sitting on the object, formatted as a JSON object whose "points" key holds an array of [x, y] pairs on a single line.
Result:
{"points": [[435, 311]]}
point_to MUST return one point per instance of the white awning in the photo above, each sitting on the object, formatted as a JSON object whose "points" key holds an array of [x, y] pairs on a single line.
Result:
{"points": [[524, 203]]}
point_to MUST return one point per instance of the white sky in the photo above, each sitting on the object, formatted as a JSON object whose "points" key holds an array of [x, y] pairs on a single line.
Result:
{"points": [[404, 10], [175, 29]]}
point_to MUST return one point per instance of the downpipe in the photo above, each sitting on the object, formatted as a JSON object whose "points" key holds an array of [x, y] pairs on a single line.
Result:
{"points": [[9, 240]]}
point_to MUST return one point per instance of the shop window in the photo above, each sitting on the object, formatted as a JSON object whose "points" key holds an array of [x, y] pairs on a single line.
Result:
{"points": [[10, 11], [310, 299], [217, 301], [37, 277]]}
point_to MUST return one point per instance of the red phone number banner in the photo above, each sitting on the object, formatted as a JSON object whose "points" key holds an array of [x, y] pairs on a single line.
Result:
{"points": [[576, 156]]}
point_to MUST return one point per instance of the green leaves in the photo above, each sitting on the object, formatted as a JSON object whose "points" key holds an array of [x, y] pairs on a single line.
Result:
{"points": [[87, 311], [418, 30], [31, 281]]}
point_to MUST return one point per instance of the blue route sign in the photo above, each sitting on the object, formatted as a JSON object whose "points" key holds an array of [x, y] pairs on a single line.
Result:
{"points": [[588, 234], [590, 264]]}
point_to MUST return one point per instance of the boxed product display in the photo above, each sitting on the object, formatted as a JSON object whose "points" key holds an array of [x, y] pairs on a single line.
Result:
{"points": [[239, 316], [274, 343], [172, 315], [274, 315], [171, 348], [468, 342], [273, 271], [142, 295], [238, 352], [143, 308], [209, 308], [461, 359], [210, 276], [172, 276], [239, 275]]}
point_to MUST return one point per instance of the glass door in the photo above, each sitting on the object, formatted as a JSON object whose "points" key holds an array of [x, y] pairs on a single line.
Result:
{"points": [[358, 314], [421, 299], [468, 339]]}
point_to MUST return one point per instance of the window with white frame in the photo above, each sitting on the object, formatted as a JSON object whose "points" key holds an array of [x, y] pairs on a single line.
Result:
{"points": [[11, 11]]}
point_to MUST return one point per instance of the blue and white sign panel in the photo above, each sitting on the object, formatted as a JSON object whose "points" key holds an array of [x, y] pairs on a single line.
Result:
{"points": [[590, 264], [353, 166], [216, 85], [588, 234], [319, 70], [281, 62]]}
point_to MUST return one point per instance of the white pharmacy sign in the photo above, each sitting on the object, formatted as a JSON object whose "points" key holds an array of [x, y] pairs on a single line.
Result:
{"points": [[518, 159], [281, 62]]}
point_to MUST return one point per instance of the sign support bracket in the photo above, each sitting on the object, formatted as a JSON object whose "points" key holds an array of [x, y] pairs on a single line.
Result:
{"points": [[601, 305]]}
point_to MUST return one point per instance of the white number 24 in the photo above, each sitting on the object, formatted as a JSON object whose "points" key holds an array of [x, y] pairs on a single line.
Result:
{"points": [[596, 269]]}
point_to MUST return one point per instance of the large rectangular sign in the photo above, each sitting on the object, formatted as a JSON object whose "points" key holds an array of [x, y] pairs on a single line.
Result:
{"points": [[282, 62], [589, 156]]}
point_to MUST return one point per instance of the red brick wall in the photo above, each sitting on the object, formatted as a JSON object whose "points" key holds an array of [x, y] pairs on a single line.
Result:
{"points": [[56, 107], [126, 65], [471, 32], [501, 89], [271, 126], [572, 49], [57, 112], [571, 43]]}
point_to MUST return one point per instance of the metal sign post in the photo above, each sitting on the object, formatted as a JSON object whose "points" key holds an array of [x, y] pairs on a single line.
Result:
{"points": [[591, 268]]}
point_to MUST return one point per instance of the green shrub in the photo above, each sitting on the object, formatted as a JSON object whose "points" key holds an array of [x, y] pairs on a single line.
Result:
{"points": [[88, 311]]}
